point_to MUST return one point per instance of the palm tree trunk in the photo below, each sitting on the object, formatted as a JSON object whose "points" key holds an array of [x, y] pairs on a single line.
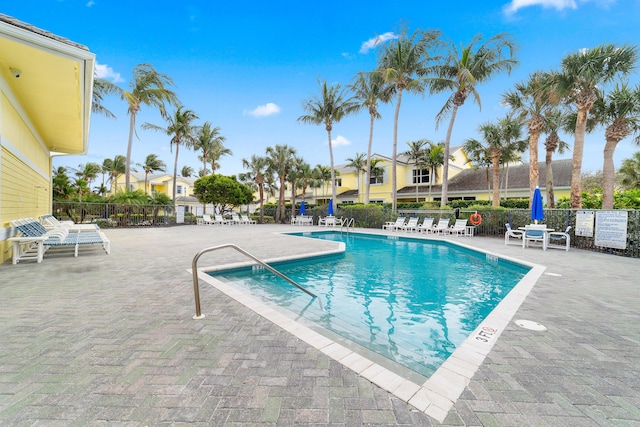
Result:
{"points": [[175, 173], [608, 173], [261, 188], [445, 165], [280, 211], [495, 161], [534, 173], [549, 179], [394, 160], [576, 163], [333, 173], [368, 176], [127, 172]]}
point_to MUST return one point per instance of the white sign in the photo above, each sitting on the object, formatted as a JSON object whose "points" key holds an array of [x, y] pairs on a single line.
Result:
{"points": [[611, 229], [180, 214], [584, 223]]}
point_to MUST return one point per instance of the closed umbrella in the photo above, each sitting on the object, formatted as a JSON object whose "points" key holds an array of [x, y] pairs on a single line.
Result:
{"points": [[537, 212], [303, 211], [330, 209]]}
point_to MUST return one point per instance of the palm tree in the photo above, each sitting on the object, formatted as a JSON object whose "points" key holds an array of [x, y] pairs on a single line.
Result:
{"points": [[400, 63], [101, 88], [88, 171], [460, 73], [499, 139], [330, 107], [554, 121], [180, 129], [434, 158], [323, 175], [531, 100], [630, 171], [359, 162], [115, 167], [148, 87], [257, 170], [186, 171], [619, 111], [369, 89], [577, 83], [151, 164], [280, 159], [417, 154], [210, 142], [61, 187]]}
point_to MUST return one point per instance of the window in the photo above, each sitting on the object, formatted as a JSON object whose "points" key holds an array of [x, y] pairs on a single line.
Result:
{"points": [[179, 189], [421, 176], [377, 179], [153, 188], [338, 182]]}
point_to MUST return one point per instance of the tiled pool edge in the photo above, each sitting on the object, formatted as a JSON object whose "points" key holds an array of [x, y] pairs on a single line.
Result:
{"points": [[439, 393]]}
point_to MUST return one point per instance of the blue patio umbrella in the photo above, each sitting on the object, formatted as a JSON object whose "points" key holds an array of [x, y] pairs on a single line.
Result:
{"points": [[537, 212], [303, 211], [330, 209]]}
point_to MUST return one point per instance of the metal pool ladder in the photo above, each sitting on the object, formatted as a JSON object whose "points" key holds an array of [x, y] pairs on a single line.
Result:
{"points": [[347, 224], [196, 287]]}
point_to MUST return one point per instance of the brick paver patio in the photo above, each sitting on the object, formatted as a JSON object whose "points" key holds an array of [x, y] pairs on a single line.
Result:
{"points": [[110, 340]]}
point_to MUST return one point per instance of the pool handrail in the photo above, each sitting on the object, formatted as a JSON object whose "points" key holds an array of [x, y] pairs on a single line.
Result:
{"points": [[196, 287], [348, 223]]}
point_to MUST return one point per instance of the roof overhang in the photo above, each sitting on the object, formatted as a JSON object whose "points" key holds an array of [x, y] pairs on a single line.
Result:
{"points": [[51, 79]]}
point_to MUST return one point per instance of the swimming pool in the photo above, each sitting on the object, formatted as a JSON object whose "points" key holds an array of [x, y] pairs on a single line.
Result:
{"points": [[413, 301]]}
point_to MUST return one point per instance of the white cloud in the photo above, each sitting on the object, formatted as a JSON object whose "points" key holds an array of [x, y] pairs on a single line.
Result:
{"points": [[106, 72], [340, 140], [90, 3], [265, 110], [515, 5], [372, 43]]}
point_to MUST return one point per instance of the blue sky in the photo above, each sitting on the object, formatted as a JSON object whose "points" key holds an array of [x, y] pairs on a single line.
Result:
{"points": [[247, 66]]}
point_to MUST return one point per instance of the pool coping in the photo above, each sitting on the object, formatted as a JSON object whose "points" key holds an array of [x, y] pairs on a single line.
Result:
{"points": [[437, 395]]}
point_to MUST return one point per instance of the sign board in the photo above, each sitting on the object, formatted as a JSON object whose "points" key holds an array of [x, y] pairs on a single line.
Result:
{"points": [[611, 229], [584, 223], [180, 214]]}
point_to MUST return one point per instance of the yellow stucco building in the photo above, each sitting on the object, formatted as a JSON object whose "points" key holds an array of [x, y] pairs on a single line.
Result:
{"points": [[46, 89]]}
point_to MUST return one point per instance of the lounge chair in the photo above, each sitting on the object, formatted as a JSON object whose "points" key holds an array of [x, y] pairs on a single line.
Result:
{"points": [[393, 226], [535, 233], [329, 220], [411, 225], [219, 220], [442, 226], [246, 220], [34, 240], [458, 228], [207, 220], [235, 219], [50, 222], [426, 226], [559, 239], [512, 237]]}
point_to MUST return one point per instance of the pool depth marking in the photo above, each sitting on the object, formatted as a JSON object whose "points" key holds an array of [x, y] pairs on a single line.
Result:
{"points": [[436, 396]]}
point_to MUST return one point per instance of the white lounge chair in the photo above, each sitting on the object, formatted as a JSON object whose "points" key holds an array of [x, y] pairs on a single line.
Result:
{"points": [[458, 228], [512, 237], [442, 226], [426, 226], [207, 220], [219, 220], [50, 222], [393, 226], [559, 239], [411, 225], [235, 219], [246, 220], [34, 240]]}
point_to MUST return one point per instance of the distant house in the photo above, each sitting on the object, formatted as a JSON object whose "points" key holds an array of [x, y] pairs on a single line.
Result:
{"points": [[477, 184], [163, 183], [46, 89]]}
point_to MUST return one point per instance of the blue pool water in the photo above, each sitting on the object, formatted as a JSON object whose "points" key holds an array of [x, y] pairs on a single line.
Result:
{"points": [[410, 300]]}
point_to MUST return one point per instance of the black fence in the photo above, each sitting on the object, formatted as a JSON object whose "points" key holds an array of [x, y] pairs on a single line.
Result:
{"points": [[109, 215], [370, 216]]}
